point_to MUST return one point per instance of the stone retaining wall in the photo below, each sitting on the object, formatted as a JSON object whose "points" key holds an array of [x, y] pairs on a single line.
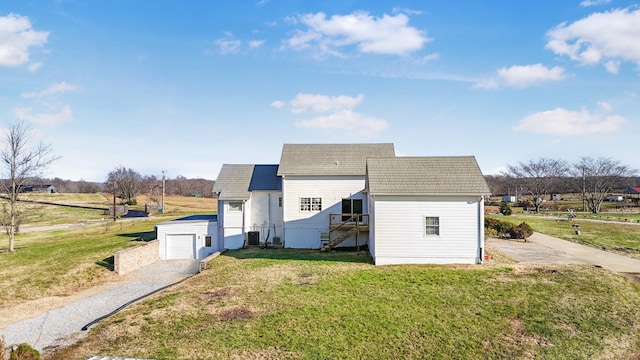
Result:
{"points": [[131, 259]]}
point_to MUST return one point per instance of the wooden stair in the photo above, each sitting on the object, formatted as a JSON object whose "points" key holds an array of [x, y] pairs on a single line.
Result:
{"points": [[331, 244]]}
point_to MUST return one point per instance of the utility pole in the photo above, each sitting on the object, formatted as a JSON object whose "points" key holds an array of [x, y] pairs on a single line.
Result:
{"points": [[114, 201], [163, 191]]}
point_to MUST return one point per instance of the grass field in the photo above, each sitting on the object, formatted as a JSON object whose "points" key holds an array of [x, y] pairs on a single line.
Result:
{"points": [[273, 304], [277, 304], [60, 262], [619, 238]]}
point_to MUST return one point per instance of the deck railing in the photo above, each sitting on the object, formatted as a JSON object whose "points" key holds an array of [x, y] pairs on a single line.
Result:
{"points": [[348, 220]]}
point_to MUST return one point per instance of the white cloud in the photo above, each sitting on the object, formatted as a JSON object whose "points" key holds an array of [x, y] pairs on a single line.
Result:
{"points": [[255, 43], [277, 104], [51, 90], [228, 45], [587, 3], [16, 37], [610, 36], [427, 58], [337, 114], [612, 66], [564, 122], [397, 10], [45, 119], [355, 124], [605, 106], [35, 66], [389, 35], [522, 76], [323, 103]]}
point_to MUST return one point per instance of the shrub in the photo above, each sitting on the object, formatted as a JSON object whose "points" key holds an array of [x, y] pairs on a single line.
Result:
{"points": [[25, 352], [501, 228], [490, 232], [505, 209], [522, 231]]}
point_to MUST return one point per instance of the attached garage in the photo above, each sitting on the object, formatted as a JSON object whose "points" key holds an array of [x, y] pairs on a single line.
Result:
{"points": [[192, 237], [181, 246]]}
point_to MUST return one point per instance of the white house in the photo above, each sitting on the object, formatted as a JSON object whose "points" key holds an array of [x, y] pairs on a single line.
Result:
{"points": [[426, 210], [404, 209]]}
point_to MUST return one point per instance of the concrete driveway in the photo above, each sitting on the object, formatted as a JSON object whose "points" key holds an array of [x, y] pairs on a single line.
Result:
{"points": [[544, 249], [61, 326]]}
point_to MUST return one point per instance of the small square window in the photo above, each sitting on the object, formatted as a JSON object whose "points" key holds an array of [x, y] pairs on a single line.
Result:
{"points": [[316, 204], [305, 204], [207, 241], [235, 206], [432, 225]]}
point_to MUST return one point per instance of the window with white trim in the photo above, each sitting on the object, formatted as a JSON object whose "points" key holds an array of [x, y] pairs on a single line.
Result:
{"points": [[235, 206], [310, 204], [432, 225]]}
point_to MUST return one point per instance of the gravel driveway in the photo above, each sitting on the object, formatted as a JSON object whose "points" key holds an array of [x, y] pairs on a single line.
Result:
{"points": [[59, 327], [544, 249]]}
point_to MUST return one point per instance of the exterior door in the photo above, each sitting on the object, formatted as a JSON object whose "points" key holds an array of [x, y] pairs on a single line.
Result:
{"points": [[351, 206]]}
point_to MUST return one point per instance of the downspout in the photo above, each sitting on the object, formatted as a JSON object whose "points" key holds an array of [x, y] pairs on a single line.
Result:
{"points": [[270, 221], [481, 228], [244, 233]]}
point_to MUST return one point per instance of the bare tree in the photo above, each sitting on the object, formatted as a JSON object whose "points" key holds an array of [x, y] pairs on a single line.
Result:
{"points": [[597, 177], [126, 182], [22, 160], [537, 178]]}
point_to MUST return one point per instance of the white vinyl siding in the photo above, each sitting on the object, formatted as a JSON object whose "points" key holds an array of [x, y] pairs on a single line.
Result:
{"points": [[302, 229], [266, 214], [401, 236], [233, 223]]}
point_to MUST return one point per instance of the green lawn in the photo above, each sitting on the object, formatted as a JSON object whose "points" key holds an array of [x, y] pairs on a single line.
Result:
{"points": [[619, 238], [60, 262], [273, 304]]}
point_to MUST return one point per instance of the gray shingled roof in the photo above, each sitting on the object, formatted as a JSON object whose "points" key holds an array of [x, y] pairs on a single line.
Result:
{"points": [[233, 182], [330, 159], [446, 175]]}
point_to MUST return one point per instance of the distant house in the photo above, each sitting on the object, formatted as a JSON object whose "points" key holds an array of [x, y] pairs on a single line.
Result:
{"points": [[510, 198], [51, 189], [615, 198], [633, 191]]}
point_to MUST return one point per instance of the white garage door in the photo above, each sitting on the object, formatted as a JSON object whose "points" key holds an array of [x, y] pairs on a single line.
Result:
{"points": [[182, 246]]}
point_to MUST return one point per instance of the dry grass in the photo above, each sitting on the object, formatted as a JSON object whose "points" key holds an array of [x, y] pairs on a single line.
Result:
{"points": [[185, 205]]}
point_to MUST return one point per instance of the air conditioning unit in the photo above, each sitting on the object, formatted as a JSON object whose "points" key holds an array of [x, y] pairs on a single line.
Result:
{"points": [[253, 238]]}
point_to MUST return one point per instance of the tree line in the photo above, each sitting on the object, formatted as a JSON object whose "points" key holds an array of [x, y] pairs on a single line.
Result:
{"points": [[593, 178], [127, 183]]}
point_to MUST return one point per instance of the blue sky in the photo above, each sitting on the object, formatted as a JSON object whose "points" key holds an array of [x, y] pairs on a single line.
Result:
{"points": [[185, 86]]}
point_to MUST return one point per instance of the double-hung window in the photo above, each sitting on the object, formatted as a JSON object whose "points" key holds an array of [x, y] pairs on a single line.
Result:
{"points": [[235, 206], [432, 225], [310, 204]]}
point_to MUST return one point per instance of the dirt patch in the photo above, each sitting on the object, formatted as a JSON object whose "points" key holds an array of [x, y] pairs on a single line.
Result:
{"points": [[235, 313], [529, 344], [632, 276], [220, 293]]}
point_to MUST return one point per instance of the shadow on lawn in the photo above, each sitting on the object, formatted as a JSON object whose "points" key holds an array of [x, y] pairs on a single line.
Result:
{"points": [[346, 255], [106, 263], [140, 236]]}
